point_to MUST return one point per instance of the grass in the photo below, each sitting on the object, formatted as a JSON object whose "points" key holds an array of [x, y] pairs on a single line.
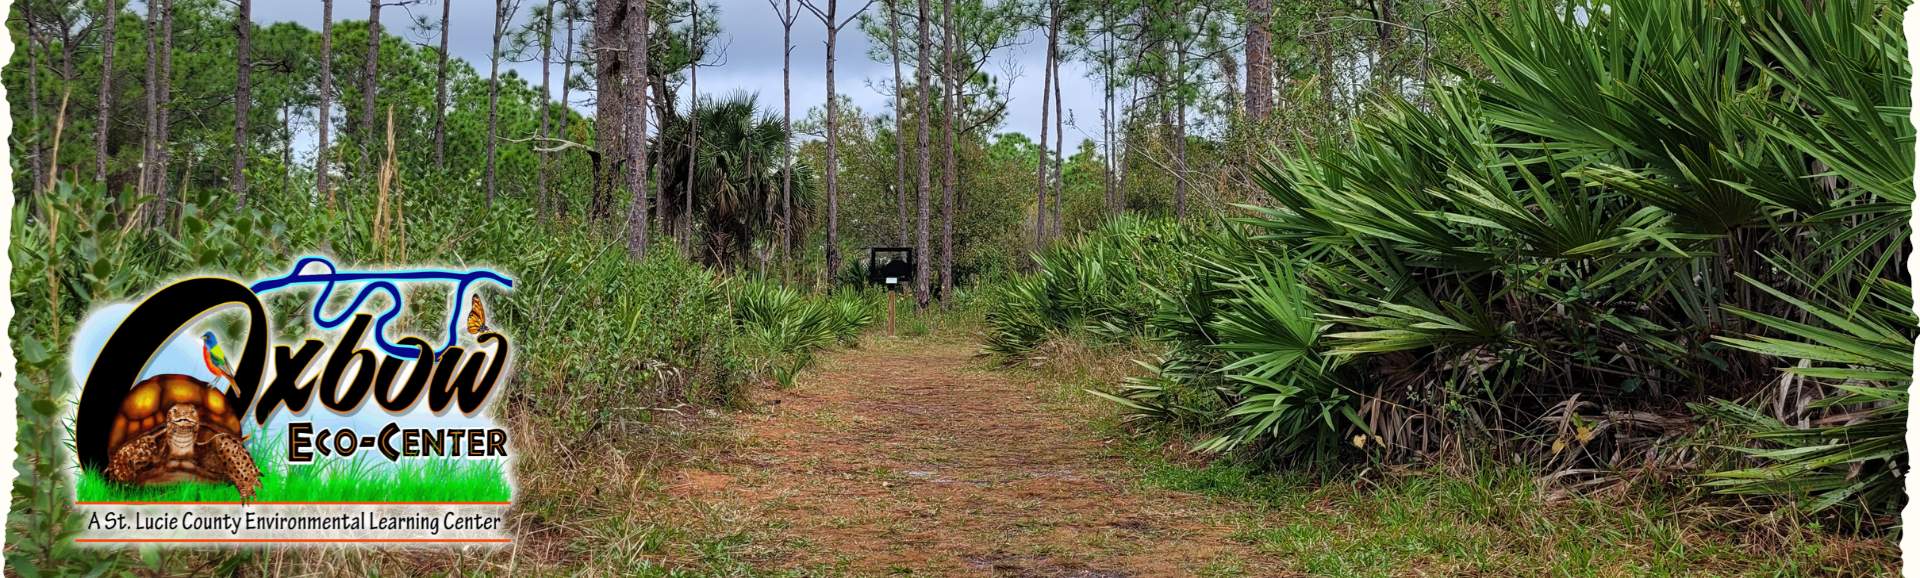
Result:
{"points": [[1494, 521], [349, 480], [1486, 519]]}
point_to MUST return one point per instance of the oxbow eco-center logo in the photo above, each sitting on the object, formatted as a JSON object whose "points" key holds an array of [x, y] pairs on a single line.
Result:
{"points": [[195, 425]]}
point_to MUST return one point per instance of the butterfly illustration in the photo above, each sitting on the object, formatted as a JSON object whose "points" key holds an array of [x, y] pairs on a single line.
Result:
{"points": [[477, 318]]}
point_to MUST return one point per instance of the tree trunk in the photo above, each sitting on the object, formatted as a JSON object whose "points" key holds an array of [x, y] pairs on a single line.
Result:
{"points": [[693, 122], [833, 147], [1115, 203], [1060, 152], [326, 102], [786, 148], [921, 294], [1046, 94], [558, 200], [150, 99], [1259, 60], [440, 90], [370, 83], [899, 123], [161, 50], [110, 15], [664, 211], [37, 164], [242, 96], [610, 125], [636, 75], [493, 94], [952, 90], [546, 109], [1177, 87]]}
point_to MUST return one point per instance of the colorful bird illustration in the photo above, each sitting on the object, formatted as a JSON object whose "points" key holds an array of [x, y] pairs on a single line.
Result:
{"points": [[215, 357]]}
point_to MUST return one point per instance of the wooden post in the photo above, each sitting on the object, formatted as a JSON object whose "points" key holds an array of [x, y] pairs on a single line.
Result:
{"points": [[890, 293]]}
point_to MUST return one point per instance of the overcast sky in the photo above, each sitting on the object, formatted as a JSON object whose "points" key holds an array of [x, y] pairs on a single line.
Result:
{"points": [[748, 58]]}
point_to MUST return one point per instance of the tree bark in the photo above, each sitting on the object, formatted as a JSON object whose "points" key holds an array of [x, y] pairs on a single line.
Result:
{"points": [[559, 201], [370, 83], [440, 90], [149, 158], [1115, 203], [610, 125], [162, 97], [1060, 152], [37, 164], [899, 123], [110, 15], [636, 76], [786, 149], [952, 89], [693, 121], [326, 102], [493, 94], [546, 109], [833, 146], [921, 294], [1178, 88], [1259, 60], [242, 96], [1046, 94]]}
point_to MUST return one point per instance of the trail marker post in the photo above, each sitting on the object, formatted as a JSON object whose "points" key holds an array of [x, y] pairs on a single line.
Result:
{"points": [[890, 267]]}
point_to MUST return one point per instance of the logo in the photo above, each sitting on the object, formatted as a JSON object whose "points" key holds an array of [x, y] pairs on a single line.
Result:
{"points": [[361, 418]]}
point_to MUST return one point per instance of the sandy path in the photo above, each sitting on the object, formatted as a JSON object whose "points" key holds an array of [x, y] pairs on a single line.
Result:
{"points": [[911, 456]]}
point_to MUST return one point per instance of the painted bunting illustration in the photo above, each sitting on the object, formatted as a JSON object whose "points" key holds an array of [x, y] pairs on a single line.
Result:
{"points": [[215, 357]]}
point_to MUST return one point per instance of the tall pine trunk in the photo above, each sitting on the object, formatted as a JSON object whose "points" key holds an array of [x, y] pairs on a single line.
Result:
{"points": [[326, 102], [1180, 152], [1060, 152], [110, 15], [440, 90], [370, 82], [609, 118], [899, 123], [242, 96], [1115, 203], [161, 90], [37, 164], [921, 294], [833, 146], [567, 102], [952, 89], [693, 122], [493, 93], [636, 77], [786, 145], [546, 110], [1046, 94], [1259, 60]]}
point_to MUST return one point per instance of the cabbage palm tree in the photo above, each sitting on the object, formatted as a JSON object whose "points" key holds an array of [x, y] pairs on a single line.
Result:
{"points": [[737, 171]]}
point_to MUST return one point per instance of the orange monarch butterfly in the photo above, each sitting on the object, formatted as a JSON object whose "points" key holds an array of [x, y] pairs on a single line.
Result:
{"points": [[477, 318]]}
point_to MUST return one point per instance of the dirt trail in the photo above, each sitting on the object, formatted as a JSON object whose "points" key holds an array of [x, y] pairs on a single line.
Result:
{"points": [[912, 456]]}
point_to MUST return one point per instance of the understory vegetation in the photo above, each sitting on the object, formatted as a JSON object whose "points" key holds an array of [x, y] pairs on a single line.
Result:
{"points": [[1661, 243]]}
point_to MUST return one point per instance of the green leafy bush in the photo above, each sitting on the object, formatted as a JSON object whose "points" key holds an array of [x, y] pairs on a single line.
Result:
{"points": [[1643, 207]]}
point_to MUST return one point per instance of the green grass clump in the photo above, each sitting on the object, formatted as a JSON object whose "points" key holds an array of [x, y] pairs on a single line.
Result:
{"points": [[1496, 521]]}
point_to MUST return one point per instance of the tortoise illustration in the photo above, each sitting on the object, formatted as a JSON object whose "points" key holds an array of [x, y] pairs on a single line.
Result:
{"points": [[174, 428]]}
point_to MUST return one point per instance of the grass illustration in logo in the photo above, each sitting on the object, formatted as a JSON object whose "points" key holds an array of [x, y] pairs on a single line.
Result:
{"points": [[346, 480]]}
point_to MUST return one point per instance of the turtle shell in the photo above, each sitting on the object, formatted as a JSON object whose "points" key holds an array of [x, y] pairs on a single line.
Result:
{"points": [[145, 408]]}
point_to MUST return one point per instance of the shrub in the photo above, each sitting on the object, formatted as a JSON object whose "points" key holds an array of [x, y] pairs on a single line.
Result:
{"points": [[1624, 216]]}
